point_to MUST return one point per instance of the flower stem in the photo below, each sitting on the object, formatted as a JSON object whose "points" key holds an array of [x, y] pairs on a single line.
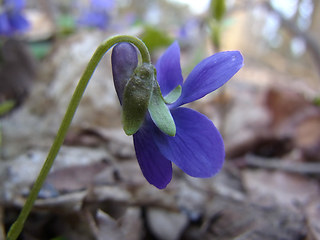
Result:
{"points": [[17, 226]]}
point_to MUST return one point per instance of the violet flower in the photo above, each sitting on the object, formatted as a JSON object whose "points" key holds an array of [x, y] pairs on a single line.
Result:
{"points": [[12, 19], [98, 14], [197, 147]]}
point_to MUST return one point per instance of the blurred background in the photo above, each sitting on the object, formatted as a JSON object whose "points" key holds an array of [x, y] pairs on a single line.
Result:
{"points": [[268, 114]]}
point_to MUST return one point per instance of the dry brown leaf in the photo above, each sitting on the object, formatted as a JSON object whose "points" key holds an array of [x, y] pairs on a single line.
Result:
{"points": [[77, 178], [284, 103], [279, 188]]}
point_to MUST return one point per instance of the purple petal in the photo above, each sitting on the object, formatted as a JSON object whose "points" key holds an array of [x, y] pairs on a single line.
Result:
{"points": [[18, 22], [16, 5], [5, 28], [124, 60], [210, 74], [97, 19], [197, 147], [168, 68], [103, 4], [154, 166]]}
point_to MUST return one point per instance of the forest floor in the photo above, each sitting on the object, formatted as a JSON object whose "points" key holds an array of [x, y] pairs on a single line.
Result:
{"points": [[268, 188]]}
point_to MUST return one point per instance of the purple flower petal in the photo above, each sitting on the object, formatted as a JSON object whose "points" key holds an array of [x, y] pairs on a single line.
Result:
{"points": [[18, 22], [124, 60], [103, 4], [5, 28], [210, 74], [168, 68], [16, 5], [197, 147], [97, 19], [154, 166], [11, 18]]}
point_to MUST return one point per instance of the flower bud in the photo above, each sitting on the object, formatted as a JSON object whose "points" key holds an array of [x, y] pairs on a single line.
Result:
{"points": [[124, 60]]}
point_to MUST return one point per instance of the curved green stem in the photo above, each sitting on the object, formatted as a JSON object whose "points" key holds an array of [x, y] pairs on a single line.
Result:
{"points": [[17, 226]]}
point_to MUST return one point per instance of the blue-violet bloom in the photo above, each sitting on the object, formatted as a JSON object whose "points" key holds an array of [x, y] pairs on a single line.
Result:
{"points": [[197, 147], [12, 19], [98, 14]]}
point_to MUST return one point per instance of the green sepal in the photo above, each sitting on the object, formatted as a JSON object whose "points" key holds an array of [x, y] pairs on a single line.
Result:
{"points": [[136, 98], [160, 113], [173, 95]]}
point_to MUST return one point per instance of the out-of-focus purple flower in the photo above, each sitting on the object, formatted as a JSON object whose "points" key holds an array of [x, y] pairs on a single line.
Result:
{"points": [[189, 29], [103, 4], [12, 19], [97, 14], [197, 148]]}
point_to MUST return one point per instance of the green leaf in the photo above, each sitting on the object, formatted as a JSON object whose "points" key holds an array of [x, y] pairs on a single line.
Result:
{"points": [[218, 9], [40, 49], [173, 95], [316, 101], [66, 24], [160, 112], [6, 107], [136, 98], [155, 38]]}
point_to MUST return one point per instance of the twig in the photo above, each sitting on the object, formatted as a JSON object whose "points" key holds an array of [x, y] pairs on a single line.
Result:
{"points": [[278, 164], [311, 42]]}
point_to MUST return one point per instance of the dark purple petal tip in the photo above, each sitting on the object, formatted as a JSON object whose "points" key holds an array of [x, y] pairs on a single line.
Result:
{"points": [[154, 166]]}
